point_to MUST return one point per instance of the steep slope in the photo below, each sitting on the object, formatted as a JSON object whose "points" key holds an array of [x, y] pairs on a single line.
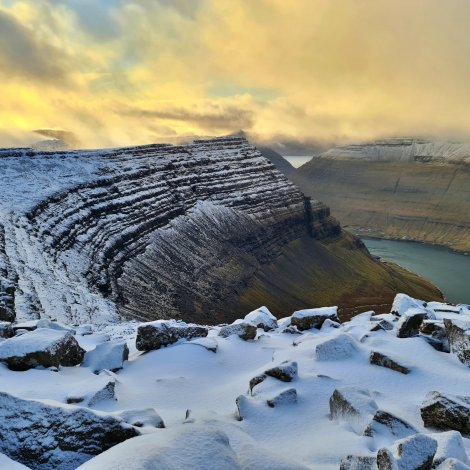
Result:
{"points": [[278, 160], [397, 188], [162, 231]]}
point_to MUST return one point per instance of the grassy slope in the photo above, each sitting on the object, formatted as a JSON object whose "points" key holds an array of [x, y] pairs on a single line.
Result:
{"points": [[310, 273]]}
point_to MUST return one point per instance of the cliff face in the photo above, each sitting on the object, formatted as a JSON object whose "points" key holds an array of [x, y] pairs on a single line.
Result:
{"points": [[202, 232], [414, 189]]}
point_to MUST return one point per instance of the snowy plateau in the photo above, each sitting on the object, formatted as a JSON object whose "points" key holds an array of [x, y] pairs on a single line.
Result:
{"points": [[388, 391]]}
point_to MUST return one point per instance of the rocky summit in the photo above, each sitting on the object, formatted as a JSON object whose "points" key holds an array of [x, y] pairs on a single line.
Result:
{"points": [[164, 231]]}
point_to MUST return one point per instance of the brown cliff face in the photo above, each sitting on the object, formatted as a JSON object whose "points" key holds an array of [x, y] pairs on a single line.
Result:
{"points": [[422, 198], [204, 232]]}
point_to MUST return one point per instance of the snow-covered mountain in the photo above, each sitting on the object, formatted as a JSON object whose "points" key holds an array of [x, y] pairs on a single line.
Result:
{"points": [[163, 231], [382, 392]]}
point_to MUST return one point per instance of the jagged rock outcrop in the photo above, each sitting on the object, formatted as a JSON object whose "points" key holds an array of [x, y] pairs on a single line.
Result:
{"points": [[395, 188], [163, 231]]}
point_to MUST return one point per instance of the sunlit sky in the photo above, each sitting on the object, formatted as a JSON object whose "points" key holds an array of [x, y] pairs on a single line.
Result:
{"points": [[115, 72]]}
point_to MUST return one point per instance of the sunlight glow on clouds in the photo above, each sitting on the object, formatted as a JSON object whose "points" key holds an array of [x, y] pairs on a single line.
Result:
{"points": [[118, 72]]}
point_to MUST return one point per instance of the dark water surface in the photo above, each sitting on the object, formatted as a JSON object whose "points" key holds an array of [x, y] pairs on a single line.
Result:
{"points": [[447, 270]]}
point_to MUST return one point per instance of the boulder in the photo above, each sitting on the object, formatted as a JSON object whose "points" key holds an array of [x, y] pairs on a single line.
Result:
{"points": [[156, 334], [84, 330], [6, 330], [359, 462], [286, 397], [450, 445], [428, 327], [381, 325], [145, 417], [243, 330], [353, 405], [41, 347], [90, 396], [411, 453], [245, 407], [313, 317], [402, 303], [256, 381], [207, 343], [382, 360], [446, 412], [109, 355], [46, 435], [53, 325], [458, 334], [386, 424], [409, 323], [262, 318], [338, 348], [441, 345], [286, 371]]}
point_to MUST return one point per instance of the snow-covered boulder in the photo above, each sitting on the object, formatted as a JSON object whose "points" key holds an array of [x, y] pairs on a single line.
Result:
{"points": [[184, 447], [353, 405], [243, 330], [338, 348], [84, 330], [359, 462], [458, 335], [411, 453], [382, 360], [145, 417], [313, 317], [450, 445], [402, 303], [385, 425], [256, 381], [381, 325], [41, 347], [91, 394], [262, 318], [6, 330], [109, 355], [446, 412], [47, 435], [53, 325], [410, 322], [285, 397], [286, 371], [156, 334], [209, 343]]}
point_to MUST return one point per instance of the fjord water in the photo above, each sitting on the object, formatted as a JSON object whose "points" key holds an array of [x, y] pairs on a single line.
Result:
{"points": [[448, 270]]}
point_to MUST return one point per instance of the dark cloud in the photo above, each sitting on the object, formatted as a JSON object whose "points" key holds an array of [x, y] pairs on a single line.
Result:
{"points": [[67, 137], [21, 54], [215, 118]]}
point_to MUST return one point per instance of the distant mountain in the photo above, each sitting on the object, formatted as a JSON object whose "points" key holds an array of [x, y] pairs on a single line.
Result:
{"points": [[278, 160], [396, 188], [201, 232]]}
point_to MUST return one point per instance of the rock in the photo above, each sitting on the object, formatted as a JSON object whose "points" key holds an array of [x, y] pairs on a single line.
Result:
{"points": [[262, 318], [382, 360], [410, 322], [450, 445], [106, 393], [453, 464], [412, 453], [335, 349], [402, 303], [110, 356], [6, 330], [286, 397], [313, 317], [89, 394], [384, 423], [50, 435], [84, 330], [359, 462], [256, 381], [41, 347], [244, 331], [26, 325], [245, 407], [142, 418], [154, 335], [287, 371], [381, 325], [208, 343], [438, 345], [353, 405], [446, 412], [330, 324], [458, 334], [428, 327], [45, 323]]}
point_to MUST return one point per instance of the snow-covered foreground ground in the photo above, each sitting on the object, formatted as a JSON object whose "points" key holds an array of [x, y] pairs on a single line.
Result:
{"points": [[196, 391]]}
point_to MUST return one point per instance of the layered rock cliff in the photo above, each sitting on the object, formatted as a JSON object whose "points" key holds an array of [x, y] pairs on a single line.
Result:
{"points": [[396, 188], [201, 232]]}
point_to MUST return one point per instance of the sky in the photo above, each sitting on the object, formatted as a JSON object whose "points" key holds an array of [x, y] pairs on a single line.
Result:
{"points": [[305, 73]]}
